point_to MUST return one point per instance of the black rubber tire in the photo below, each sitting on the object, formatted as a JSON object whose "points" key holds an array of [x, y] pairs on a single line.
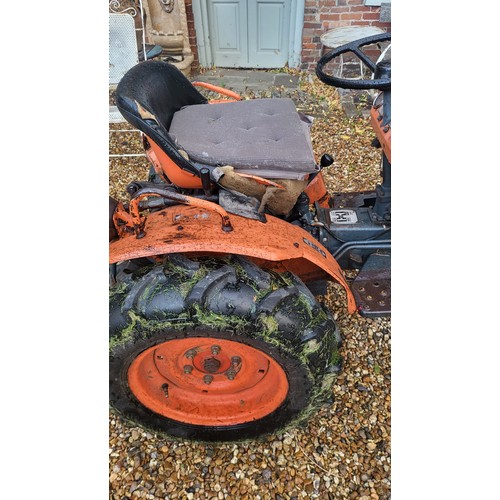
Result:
{"points": [[232, 299]]}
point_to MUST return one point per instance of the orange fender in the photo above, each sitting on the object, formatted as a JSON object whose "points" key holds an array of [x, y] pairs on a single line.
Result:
{"points": [[275, 245]]}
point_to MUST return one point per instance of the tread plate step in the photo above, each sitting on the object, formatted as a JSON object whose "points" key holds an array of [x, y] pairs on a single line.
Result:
{"points": [[372, 286]]}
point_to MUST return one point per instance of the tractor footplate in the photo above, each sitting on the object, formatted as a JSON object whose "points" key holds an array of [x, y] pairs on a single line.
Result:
{"points": [[372, 286]]}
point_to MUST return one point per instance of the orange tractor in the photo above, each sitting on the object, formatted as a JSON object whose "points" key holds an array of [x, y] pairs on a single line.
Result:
{"points": [[216, 259]]}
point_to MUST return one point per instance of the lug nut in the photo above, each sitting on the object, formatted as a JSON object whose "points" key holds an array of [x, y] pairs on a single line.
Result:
{"points": [[190, 354], [236, 360], [164, 388], [208, 379], [215, 349], [188, 368], [230, 374]]}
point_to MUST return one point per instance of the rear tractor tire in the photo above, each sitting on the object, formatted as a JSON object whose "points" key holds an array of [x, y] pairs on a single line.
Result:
{"points": [[217, 349]]}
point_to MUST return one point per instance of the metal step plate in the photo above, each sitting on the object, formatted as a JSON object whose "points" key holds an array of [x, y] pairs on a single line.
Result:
{"points": [[372, 286]]}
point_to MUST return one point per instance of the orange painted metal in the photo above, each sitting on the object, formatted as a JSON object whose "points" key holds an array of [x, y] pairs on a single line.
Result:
{"points": [[123, 221], [208, 381], [218, 90], [139, 221], [261, 180], [276, 244], [383, 132], [317, 192], [162, 162], [221, 101]]}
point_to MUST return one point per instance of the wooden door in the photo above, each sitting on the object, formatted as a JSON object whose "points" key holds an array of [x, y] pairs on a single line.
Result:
{"points": [[249, 33]]}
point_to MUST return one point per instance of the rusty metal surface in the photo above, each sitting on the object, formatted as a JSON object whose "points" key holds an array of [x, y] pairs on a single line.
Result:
{"points": [[352, 199], [277, 244], [372, 287], [383, 132]]}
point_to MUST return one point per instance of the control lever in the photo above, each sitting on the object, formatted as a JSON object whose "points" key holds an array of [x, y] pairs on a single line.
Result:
{"points": [[326, 160]]}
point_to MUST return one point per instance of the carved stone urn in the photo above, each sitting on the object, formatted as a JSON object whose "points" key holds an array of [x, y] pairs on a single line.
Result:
{"points": [[166, 25]]}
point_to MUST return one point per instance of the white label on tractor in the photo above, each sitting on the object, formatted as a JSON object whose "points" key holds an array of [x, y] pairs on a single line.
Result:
{"points": [[343, 216]]}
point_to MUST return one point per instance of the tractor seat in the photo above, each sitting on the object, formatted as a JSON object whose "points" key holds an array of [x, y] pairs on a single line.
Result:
{"points": [[265, 137]]}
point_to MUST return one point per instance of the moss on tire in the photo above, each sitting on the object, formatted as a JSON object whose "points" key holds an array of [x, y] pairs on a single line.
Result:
{"points": [[228, 298]]}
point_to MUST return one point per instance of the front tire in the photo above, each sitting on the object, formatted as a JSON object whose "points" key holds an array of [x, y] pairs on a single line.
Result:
{"points": [[217, 349]]}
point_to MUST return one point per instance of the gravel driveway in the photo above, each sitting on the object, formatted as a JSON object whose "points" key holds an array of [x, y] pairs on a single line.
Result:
{"points": [[345, 450]]}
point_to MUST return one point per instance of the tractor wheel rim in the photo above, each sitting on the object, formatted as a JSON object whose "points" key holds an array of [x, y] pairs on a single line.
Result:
{"points": [[208, 381]]}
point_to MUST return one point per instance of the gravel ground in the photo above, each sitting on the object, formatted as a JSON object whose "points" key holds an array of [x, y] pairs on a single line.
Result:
{"points": [[345, 450]]}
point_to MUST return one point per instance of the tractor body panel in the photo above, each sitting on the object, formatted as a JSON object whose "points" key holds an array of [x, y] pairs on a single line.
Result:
{"points": [[275, 244]]}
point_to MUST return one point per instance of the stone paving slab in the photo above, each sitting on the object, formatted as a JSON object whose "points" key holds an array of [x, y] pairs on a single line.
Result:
{"points": [[240, 80], [286, 80]]}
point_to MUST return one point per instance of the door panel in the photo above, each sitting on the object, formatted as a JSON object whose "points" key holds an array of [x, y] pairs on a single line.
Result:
{"points": [[249, 33], [268, 25], [228, 31]]}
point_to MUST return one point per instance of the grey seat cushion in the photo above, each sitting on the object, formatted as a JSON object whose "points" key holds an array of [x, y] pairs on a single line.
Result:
{"points": [[265, 137]]}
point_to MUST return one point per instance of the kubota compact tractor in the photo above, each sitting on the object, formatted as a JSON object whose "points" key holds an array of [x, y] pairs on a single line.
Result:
{"points": [[215, 261]]}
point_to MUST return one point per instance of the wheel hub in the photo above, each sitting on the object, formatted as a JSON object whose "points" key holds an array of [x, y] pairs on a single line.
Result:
{"points": [[209, 359], [195, 381], [211, 365]]}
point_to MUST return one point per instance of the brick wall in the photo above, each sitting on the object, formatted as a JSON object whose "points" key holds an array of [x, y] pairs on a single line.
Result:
{"points": [[323, 15], [192, 33]]}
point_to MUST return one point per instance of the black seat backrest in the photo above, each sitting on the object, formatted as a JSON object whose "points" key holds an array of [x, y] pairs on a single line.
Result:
{"points": [[160, 89]]}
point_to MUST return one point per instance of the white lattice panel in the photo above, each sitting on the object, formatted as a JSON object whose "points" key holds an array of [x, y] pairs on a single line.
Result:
{"points": [[122, 46], [115, 116]]}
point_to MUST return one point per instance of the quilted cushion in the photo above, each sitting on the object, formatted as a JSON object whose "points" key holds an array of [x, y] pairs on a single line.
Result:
{"points": [[265, 137]]}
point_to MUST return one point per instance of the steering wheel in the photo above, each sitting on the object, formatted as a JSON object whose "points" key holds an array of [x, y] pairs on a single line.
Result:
{"points": [[382, 83]]}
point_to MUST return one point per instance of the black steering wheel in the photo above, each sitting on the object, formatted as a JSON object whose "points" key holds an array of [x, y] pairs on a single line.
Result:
{"points": [[380, 83]]}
